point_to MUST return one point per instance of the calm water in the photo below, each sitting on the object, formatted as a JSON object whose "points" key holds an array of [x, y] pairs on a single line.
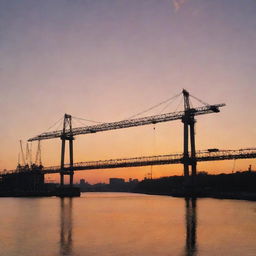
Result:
{"points": [[121, 224]]}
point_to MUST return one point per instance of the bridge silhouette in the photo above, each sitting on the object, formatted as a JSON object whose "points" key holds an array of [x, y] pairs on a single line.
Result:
{"points": [[155, 160], [188, 158]]}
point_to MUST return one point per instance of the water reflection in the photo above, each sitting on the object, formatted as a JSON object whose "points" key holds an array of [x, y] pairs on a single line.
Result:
{"points": [[191, 223], [65, 226], [66, 242]]}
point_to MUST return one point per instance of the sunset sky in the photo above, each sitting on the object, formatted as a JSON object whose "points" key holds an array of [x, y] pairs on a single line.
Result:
{"points": [[107, 60]]}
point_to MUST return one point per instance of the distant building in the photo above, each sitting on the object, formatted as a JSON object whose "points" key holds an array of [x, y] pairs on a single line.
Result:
{"points": [[119, 184], [82, 182], [84, 186], [133, 181], [116, 181]]}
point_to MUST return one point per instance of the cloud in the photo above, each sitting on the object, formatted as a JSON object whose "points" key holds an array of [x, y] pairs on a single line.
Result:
{"points": [[178, 4]]}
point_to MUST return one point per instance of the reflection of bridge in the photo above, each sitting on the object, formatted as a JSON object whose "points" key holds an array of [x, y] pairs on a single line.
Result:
{"points": [[191, 227], [66, 226]]}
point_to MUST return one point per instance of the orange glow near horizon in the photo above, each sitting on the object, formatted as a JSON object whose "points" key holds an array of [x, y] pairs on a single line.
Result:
{"points": [[102, 176]]}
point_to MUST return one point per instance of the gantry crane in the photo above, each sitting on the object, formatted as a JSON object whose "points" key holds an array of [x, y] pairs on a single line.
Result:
{"points": [[187, 116]]}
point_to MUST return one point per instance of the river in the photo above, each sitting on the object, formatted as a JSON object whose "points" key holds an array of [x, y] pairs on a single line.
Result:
{"points": [[122, 224]]}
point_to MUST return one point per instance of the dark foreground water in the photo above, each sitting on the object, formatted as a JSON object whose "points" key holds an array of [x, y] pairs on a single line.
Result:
{"points": [[121, 224]]}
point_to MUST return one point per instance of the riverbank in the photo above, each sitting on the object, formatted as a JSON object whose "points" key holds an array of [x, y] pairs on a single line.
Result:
{"points": [[235, 196], [64, 191], [239, 186]]}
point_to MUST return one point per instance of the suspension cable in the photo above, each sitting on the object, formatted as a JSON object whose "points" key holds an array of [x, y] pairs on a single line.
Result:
{"points": [[87, 120], [178, 104], [54, 124], [204, 103], [155, 106], [77, 123], [167, 105]]}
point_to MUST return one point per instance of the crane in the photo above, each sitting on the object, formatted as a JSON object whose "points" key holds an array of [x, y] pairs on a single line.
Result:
{"points": [[128, 123], [22, 154], [187, 116]]}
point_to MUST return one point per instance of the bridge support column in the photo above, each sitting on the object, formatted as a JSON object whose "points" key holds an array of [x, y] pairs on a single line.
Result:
{"points": [[61, 179], [193, 148], [63, 142], [185, 148], [67, 135], [71, 175], [189, 160], [189, 132]]}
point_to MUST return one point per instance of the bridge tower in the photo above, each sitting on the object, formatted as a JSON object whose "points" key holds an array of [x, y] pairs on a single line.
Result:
{"points": [[188, 120], [67, 134]]}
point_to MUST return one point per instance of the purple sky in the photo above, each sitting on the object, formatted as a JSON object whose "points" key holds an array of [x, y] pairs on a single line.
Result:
{"points": [[109, 59]]}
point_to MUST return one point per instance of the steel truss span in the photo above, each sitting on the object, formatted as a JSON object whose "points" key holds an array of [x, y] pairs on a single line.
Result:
{"points": [[201, 156], [129, 122]]}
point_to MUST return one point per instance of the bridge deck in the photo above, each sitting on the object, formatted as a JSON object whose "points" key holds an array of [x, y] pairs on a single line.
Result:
{"points": [[154, 160]]}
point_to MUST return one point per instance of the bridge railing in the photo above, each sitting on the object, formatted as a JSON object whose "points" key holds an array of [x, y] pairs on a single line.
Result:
{"points": [[203, 155], [119, 161]]}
